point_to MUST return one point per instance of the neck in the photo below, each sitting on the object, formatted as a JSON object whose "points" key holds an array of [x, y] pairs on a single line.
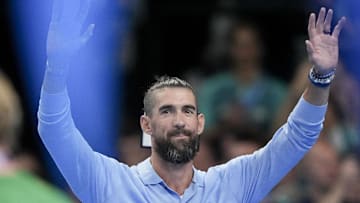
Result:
{"points": [[177, 176]]}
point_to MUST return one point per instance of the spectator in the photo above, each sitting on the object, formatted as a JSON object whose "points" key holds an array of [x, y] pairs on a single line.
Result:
{"points": [[244, 95], [17, 184]]}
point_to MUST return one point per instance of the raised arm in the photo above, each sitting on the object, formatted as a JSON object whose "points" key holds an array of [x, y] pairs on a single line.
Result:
{"points": [[64, 41], [258, 173], [92, 176], [323, 52], [70, 151]]}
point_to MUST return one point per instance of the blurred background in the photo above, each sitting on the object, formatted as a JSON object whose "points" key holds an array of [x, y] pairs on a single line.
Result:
{"points": [[246, 60]]}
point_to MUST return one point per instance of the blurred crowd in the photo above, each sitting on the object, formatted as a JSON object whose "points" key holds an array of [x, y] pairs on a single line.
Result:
{"points": [[244, 103]]}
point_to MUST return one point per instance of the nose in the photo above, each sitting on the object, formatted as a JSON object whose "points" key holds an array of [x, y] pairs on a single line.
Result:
{"points": [[179, 122]]}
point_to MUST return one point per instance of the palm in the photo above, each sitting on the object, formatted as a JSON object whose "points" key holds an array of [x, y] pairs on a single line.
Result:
{"points": [[60, 41], [323, 49]]}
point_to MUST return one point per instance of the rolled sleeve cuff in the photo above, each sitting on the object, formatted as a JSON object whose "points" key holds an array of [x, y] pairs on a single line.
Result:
{"points": [[309, 112], [53, 106]]}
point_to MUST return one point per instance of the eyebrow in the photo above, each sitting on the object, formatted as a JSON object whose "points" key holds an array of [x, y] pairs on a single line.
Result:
{"points": [[166, 107], [190, 107]]}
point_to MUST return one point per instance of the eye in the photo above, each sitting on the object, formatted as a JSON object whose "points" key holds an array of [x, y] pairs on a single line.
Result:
{"points": [[189, 111], [165, 111]]}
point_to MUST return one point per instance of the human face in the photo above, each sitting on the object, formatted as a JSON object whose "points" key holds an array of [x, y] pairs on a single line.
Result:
{"points": [[174, 124], [246, 46]]}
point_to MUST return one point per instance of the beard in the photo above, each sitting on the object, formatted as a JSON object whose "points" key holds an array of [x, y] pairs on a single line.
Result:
{"points": [[180, 151]]}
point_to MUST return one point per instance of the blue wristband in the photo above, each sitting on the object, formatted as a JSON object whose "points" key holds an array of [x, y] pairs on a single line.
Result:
{"points": [[321, 80]]}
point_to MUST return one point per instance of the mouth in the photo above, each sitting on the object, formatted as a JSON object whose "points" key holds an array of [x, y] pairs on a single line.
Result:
{"points": [[180, 135]]}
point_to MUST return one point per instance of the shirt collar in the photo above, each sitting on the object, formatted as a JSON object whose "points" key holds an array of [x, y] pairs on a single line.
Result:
{"points": [[147, 173], [149, 176], [199, 177]]}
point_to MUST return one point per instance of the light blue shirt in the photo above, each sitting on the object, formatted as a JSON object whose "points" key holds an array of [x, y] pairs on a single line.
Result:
{"points": [[97, 178]]}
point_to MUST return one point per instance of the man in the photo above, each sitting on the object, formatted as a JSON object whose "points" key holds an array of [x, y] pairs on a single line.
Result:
{"points": [[172, 120]]}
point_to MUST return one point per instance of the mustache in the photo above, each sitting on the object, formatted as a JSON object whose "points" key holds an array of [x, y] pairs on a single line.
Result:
{"points": [[180, 131]]}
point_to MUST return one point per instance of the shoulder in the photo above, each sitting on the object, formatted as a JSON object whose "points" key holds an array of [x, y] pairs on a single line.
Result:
{"points": [[218, 80]]}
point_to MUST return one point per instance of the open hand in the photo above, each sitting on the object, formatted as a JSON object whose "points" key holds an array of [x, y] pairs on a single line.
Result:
{"points": [[65, 37], [322, 46]]}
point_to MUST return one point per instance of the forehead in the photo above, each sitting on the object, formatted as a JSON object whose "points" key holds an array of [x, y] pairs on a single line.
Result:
{"points": [[174, 96]]}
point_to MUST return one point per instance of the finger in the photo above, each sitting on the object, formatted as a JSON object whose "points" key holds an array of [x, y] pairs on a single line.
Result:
{"points": [[83, 11], [320, 21], [311, 26], [56, 11], [70, 10], [327, 23], [309, 47], [338, 27], [87, 34]]}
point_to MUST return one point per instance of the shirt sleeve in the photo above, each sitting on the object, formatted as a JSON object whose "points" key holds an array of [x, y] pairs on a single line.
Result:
{"points": [[251, 177], [86, 171]]}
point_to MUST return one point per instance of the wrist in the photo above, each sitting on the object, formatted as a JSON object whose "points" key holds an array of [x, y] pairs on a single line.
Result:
{"points": [[323, 71], [321, 79], [57, 67], [55, 77]]}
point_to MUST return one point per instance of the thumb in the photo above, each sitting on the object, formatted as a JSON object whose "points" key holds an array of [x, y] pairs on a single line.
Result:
{"points": [[309, 47], [87, 34]]}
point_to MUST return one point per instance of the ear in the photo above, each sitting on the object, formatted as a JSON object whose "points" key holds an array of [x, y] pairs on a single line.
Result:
{"points": [[201, 123], [145, 124]]}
